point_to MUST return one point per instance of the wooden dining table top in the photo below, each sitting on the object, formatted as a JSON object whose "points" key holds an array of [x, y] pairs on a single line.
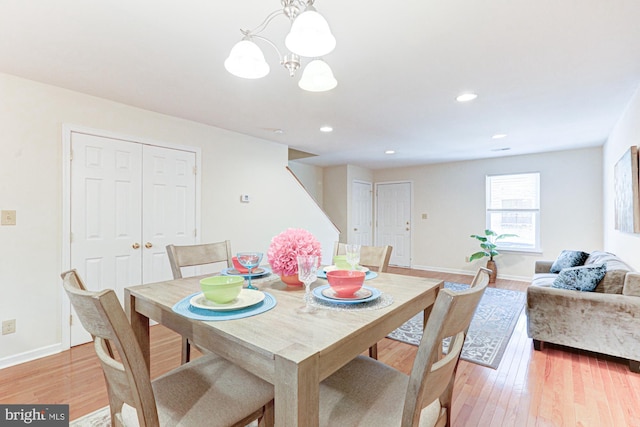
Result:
{"points": [[294, 351]]}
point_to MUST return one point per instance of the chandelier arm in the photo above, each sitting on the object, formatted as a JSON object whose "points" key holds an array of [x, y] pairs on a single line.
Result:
{"points": [[260, 28], [273, 45]]}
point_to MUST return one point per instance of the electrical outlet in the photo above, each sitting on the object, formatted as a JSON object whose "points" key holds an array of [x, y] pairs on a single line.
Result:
{"points": [[8, 327], [425, 216]]}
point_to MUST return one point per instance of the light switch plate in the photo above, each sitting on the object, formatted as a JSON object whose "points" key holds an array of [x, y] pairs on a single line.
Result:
{"points": [[7, 217]]}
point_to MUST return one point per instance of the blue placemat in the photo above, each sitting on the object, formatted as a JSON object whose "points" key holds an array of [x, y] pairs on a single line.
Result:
{"points": [[367, 276], [184, 308]]}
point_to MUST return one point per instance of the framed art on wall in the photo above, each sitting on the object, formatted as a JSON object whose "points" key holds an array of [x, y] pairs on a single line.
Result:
{"points": [[627, 204]]}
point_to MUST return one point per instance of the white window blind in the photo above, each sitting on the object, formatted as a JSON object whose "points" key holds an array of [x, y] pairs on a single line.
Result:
{"points": [[513, 207]]}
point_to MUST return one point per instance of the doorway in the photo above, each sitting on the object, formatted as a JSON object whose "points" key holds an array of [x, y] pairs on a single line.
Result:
{"points": [[361, 214], [393, 220]]}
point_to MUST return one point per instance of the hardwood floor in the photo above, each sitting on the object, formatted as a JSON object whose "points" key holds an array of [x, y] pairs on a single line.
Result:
{"points": [[556, 387]]}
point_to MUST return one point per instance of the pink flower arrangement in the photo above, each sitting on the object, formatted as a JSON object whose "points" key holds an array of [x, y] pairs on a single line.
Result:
{"points": [[285, 248]]}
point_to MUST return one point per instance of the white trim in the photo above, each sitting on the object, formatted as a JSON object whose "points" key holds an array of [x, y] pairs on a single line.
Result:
{"points": [[30, 355], [67, 130]]}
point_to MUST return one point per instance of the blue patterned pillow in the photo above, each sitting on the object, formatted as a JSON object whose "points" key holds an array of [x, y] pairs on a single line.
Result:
{"points": [[584, 278], [568, 259]]}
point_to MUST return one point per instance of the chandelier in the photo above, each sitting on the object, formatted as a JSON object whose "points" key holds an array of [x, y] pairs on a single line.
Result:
{"points": [[309, 37]]}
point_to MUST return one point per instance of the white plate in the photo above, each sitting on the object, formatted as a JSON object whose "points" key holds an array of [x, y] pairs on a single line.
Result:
{"points": [[334, 267], [247, 297], [360, 294]]}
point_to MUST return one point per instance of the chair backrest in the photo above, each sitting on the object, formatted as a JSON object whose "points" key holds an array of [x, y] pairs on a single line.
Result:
{"points": [[127, 377], [432, 375], [192, 255], [370, 256]]}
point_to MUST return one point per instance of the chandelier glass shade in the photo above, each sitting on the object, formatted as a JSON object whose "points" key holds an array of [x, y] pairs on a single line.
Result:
{"points": [[309, 37], [247, 61], [317, 77]]}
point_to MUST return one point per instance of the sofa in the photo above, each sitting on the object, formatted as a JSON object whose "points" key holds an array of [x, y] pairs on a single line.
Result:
{"points": [[605, 320]]}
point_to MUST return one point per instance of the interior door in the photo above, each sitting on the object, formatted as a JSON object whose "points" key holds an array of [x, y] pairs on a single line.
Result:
{"points": [[361, 211], [128, 201], [168, 207], [105, 215], [393, 220]]}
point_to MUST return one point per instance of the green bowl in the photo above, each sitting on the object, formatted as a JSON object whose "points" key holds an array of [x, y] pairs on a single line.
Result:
{"points": [[340, 261], [221, 289]]}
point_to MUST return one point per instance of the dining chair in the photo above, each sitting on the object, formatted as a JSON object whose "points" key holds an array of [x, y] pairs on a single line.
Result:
{"points": [[208, 390], [371, 257], [376, 257], [195, 255], [366, 392]]}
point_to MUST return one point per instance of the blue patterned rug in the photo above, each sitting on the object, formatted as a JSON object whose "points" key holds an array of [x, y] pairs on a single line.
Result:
{"points": [[490, 329]]}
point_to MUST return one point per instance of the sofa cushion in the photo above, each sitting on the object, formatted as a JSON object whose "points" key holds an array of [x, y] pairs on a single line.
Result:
{"points": [[613, 281], [583, 278], [568, 259]]}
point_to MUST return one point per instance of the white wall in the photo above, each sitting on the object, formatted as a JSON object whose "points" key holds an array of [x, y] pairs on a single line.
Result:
{"points": [[453, 197], [336, 196], [31, 120], [311, 178], [625, 134]]}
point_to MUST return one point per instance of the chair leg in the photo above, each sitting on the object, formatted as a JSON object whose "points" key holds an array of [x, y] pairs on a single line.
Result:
{"points": [[538, 345], [373, 351], [634, 366], [268, 416], [186, 351]]}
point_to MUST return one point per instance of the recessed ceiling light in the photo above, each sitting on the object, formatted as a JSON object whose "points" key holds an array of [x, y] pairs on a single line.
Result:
{"points": [[278, 131], [326, 129], [465, 97], [499, 135], [390, 152]]}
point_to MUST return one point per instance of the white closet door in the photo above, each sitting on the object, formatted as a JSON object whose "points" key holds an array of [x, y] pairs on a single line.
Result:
{"points": [[168, 207], [106, 184]]}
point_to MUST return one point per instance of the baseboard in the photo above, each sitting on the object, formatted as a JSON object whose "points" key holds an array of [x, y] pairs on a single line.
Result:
{"points": [[467, 272], [30, 355]]}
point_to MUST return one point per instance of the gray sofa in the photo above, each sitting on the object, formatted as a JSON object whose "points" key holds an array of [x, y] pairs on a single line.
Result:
{"points": [[605, 321]]}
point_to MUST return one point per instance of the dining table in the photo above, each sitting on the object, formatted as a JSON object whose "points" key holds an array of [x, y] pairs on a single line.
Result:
{"points": [[293, 351]]}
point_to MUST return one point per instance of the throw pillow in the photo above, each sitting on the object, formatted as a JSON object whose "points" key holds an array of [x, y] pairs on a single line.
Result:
{"points": [[568, 259], [584, 278]]}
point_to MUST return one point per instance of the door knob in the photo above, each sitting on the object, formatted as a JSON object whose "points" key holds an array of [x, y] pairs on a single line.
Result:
{"points": [[407, 229], [148, 245], [136, 246], [355, 229]]}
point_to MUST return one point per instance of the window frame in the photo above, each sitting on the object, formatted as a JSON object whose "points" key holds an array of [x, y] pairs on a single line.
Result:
{"points": [[537, 246]]}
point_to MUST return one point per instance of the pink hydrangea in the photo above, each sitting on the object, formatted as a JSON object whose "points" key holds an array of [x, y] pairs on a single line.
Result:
{"points": [[285, 248]]}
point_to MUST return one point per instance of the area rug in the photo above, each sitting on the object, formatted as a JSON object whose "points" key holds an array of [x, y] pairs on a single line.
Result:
{"points": [[490, 329], [102, 418]]}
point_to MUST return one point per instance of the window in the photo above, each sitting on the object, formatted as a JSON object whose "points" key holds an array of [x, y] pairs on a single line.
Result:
{"points": [[513, 207]]}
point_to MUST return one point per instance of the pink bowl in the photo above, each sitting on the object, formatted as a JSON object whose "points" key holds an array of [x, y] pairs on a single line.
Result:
{"points": [[345, 282], [239, 266]]}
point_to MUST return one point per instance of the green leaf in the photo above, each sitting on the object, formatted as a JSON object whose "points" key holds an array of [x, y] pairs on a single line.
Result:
{"points": [[494, 253], [504, 236], [487, 245], [490, 232], [481, 238], [477, 255]]}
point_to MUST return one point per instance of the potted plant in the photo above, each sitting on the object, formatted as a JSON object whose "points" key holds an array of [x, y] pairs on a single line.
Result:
{"points": [[488, 245], [284, 250]]}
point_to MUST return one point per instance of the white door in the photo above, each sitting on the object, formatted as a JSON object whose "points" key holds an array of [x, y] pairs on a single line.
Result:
{"points": [[393, 220], [361, 211], [168, 207], [128, 201]]}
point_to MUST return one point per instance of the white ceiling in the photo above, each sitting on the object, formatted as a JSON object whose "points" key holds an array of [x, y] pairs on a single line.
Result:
{"points": [[550, 74]]}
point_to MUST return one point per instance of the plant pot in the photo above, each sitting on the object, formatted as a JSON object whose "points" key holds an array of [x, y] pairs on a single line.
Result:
{"points": [[491, 265], [291, 280]]}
